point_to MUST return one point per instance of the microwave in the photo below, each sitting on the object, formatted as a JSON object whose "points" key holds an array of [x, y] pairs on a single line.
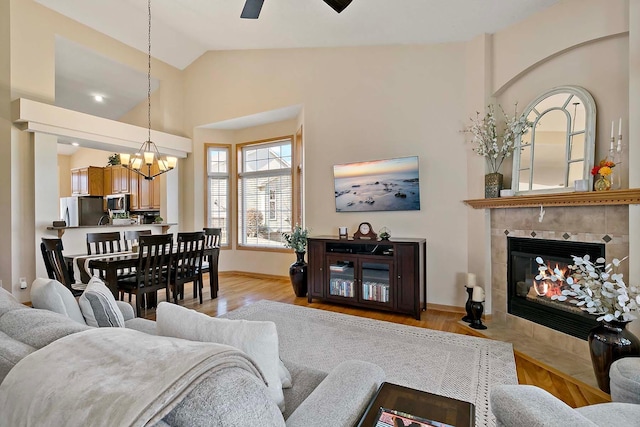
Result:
{"points": [[118, 203]]}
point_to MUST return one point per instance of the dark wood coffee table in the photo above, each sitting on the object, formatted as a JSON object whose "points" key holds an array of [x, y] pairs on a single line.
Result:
{"points": [[421, 404]]}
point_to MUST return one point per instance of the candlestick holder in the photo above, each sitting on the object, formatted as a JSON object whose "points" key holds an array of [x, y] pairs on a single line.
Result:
{"points": [[615, 155], [468, 318], [477, 308]]}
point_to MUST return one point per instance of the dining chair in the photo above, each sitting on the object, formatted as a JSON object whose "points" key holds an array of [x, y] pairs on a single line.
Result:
{"points": [[210, 264], [131, 237], [187, 264], [104, 243], [55, 264], [153, 269]]}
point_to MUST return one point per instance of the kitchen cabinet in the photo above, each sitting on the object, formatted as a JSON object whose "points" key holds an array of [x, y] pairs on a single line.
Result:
{"points": [[118, 177], [87, 181], [149, 191]]}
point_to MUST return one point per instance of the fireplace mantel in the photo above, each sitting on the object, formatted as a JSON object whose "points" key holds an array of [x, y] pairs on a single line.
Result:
{"points": [[590, 198]]}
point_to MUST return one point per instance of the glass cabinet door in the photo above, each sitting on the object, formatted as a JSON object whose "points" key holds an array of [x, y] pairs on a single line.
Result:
{"points": [[342, 279], [376, 277]]}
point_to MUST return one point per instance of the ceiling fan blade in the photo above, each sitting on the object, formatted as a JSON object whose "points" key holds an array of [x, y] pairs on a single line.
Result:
{"points": [[251, 9], [338, 5]]}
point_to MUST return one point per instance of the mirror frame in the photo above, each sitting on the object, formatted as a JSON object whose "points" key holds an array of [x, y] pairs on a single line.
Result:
{"points": [[589, 140]]}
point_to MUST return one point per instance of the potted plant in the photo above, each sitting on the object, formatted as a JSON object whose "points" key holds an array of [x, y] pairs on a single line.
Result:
{"points": [[114, 160], [496, 147], [598, 289], [297, 240]]}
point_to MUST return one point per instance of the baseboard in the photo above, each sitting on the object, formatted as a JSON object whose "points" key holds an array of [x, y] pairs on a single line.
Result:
{"points": [[252, 274], [453, 309]]}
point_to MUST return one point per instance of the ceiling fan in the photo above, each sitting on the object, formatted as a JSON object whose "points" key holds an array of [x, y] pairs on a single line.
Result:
{"points": [[252, 8]]}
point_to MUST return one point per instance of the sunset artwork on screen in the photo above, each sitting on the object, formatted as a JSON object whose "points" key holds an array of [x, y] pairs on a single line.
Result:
{"points": [[378, 185]]}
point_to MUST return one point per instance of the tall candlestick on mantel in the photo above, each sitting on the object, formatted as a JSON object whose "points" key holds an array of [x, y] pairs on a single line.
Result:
{"points": [[471, 280], [612, 130], [620, 127]]}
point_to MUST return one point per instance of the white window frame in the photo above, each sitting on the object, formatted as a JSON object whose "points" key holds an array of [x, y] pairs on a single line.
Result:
{"points": [[226, 232], [241, 179]]}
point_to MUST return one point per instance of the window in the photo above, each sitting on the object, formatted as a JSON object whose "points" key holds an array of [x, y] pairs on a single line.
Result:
{"points": [[218, 189], [265, 192]]}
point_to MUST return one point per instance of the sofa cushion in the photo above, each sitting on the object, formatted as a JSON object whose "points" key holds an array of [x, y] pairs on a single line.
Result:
{"points": [[232, 397], [99, 307], [612, 414], [625, 380], [38, 328], [49, 294], [11, 352], [304, 381], [259, 340], [8, 302]]}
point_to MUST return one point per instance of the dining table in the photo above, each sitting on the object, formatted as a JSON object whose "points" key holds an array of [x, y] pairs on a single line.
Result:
{"points": [[111, 264]]}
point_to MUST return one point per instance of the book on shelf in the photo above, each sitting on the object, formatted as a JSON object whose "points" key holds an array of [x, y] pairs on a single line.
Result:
{"points": [[338, 267]]}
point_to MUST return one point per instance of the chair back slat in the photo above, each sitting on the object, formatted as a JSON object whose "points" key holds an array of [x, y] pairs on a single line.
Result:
{"points": [[188, 260], [212, 236], [103, 243], [154, 260], [54, 262], [132, 237]]}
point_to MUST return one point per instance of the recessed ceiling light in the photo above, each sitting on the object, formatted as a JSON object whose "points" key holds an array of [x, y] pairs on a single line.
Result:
{"points": [[75, 144], [98, 98]]}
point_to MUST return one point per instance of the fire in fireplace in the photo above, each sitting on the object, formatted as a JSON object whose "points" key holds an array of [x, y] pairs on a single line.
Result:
{"points": [[530, 292]]}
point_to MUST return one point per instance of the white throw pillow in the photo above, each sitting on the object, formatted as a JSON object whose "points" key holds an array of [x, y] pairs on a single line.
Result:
{"points": [[259, 340], [98, 305]]}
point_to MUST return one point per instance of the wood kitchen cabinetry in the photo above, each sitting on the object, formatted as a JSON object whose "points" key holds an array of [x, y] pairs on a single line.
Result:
{"points": [[87, 181], [117, 179], [149, 191], [386, 275]]}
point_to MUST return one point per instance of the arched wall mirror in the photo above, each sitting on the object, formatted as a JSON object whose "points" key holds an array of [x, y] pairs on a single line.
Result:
{"points": [[559, 148]]}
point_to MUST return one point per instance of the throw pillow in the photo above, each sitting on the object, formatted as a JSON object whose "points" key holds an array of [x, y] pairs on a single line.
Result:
{"points": [[98, 305], [259, 340]]}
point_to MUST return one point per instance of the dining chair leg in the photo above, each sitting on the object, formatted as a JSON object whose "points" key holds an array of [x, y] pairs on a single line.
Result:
{"points": [[138, 303]]}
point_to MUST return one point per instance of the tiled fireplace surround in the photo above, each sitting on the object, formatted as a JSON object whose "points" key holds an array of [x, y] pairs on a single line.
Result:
{"points": [[593, 224]]}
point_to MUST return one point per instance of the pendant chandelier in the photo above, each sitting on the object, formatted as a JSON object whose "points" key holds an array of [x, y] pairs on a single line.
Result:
{"points": [[143, 160]]}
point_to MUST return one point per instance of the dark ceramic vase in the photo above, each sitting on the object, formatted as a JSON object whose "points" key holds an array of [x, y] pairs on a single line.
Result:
{"points": [[298, 275], [609, 342]]}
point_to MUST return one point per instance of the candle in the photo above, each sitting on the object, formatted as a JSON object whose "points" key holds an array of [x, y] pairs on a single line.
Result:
{"points": [[620, 127], [471, 280], [478, 294], [612, 130]]}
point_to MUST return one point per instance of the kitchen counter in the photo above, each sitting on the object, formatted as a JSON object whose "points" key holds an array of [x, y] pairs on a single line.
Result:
{"points": [[60, 230]]}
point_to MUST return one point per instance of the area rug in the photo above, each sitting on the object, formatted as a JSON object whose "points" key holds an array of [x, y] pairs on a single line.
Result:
{"points": [[452, 365]]}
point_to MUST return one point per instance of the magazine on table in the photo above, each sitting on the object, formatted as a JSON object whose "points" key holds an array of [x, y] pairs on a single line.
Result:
{"points": [[392, 418]]}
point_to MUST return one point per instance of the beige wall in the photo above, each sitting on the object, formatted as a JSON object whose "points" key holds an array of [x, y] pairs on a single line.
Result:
{"points": [[359, 104], [32, 29], [6, 147], [601, 67], [64, 175]]}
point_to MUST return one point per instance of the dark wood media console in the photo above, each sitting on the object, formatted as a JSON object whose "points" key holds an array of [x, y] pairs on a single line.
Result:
{"points": [[381, 274]]}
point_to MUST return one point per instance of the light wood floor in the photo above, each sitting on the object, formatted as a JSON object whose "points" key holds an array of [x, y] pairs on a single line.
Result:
{"points": [[238, 290]]}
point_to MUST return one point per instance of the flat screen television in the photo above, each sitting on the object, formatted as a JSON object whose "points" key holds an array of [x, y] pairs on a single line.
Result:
{"points": [[377, 185]]}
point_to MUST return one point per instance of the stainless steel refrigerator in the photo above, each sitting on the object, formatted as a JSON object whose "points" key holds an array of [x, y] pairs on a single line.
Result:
{"points": [[81, 210]]}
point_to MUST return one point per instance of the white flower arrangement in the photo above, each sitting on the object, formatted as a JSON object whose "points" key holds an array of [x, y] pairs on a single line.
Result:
{"points": [[489, 143], [596, 288]]}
